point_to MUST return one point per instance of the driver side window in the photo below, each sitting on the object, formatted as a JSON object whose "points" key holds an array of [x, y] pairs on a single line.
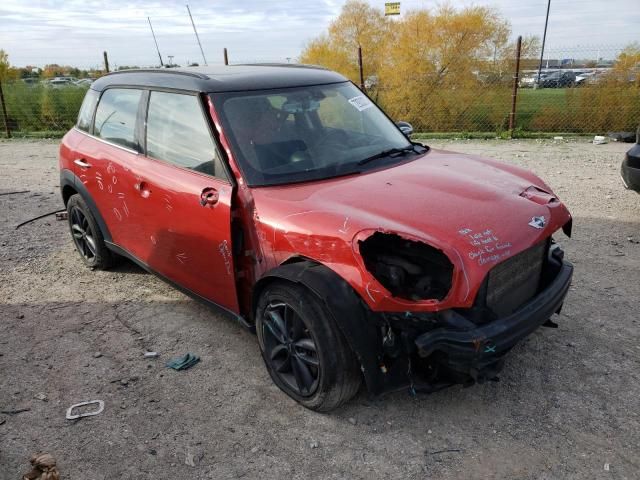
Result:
{"points": [[177, 133]]}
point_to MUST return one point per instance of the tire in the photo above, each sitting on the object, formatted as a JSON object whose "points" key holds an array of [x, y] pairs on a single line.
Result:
{"points": [[337, 377], [86, 235]]}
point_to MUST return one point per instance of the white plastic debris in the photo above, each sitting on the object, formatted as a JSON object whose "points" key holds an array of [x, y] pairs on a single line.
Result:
{"points": [[151, 354], [558, 138], [606, 467], [600, 140]]}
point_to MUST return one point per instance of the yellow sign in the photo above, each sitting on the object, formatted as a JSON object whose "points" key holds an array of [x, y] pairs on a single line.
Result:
{"points": [[392, 8]]}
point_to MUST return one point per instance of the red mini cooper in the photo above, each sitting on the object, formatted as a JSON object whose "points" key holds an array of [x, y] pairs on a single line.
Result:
{"points": [[285, 197]]}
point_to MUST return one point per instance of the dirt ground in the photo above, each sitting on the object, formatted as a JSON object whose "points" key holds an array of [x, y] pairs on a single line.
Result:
{"points": [[567, 404]]}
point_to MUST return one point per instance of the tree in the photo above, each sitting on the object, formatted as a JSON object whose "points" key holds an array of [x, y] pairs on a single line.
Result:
{"points": [[4, 65], [626, 68], [358, 25]]}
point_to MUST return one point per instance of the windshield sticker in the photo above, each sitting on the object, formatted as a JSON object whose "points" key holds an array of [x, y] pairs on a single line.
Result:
{"points": [[360, 102]]}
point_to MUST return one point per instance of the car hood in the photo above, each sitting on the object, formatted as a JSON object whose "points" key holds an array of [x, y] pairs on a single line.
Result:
{"points": [[478, 211]]}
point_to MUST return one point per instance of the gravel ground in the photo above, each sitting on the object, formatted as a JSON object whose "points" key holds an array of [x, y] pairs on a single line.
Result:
{"points": [[567, 404]]}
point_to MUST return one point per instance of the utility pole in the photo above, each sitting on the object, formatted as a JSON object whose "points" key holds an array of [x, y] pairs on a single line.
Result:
{"points": [[4, 113], [106, 61], [226, 56], [197, 37], [544, 39], [360, 68], [156, 42], [514, 95]]}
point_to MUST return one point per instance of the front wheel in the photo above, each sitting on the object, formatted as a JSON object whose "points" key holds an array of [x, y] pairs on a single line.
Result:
{"points": [[303, 349]]}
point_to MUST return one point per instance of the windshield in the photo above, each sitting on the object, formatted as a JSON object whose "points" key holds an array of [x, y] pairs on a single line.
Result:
{"points": [[308, 133]]}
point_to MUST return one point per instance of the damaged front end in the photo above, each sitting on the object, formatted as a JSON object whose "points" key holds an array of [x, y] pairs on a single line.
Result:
{"points": [[408, 269], [427, 351]]}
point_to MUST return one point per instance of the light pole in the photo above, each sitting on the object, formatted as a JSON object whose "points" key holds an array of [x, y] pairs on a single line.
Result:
{"points": [[544, 39]]}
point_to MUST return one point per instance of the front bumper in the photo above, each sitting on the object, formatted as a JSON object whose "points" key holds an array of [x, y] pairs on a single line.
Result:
{"points": [[477, 353]]}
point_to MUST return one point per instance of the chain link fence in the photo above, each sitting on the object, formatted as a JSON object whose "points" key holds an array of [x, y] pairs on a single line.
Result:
{"points": [[582, 90]]}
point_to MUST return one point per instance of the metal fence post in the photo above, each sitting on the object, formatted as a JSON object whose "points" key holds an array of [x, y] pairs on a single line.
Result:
{"points": [[226, 56], [4, 113], [360, 68], [514, 95], [106, 61]]}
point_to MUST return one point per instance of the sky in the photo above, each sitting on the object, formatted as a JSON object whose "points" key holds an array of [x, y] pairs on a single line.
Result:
{"points": [[76, 32]]}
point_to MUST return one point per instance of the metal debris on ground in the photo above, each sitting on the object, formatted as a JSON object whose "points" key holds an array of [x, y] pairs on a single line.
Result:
{"points": [[43, 468], [14, 193], [187, 360], [38, 218], [450, 450], [62, 216], [15, 411], [71, 416]]}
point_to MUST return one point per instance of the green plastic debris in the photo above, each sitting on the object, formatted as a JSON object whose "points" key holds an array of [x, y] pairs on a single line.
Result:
{"points": [[187, 360]]}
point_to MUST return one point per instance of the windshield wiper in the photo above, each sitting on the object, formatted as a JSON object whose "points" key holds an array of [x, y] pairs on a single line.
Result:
{"points": [[392, 152]]}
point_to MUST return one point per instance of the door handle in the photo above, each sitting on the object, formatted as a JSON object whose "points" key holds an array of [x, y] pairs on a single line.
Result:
{"points": [[209, 196], [82, 163]]}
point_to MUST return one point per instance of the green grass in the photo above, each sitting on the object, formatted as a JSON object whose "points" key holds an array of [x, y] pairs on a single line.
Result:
{"points": [[478, 112]]}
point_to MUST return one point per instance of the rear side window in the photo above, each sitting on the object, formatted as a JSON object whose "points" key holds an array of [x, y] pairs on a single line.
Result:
{"points": [[86, 110], [177, 132], [116, 116]]}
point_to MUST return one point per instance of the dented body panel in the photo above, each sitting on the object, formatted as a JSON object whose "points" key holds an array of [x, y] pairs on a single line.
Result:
{"points": [[477, 211]]}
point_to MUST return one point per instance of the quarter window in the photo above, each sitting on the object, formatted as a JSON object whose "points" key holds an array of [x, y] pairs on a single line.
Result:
{"points": [[116, 116], [177, 132], [86, 110]]}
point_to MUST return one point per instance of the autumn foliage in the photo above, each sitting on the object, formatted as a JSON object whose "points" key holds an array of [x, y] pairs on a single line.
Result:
{"points": [[451, 69]]}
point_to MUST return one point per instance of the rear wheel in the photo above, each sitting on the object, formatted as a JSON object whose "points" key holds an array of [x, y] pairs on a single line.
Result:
{"points": [[86, 235], [303, 349]]}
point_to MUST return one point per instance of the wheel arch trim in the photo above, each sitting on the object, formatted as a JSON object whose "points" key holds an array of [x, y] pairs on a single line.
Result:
{"points": [[69, 180], [346, 307]]}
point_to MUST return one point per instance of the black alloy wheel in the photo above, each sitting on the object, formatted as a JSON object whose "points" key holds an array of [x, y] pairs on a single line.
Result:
{"points": [[83, 235], [290, 349]]}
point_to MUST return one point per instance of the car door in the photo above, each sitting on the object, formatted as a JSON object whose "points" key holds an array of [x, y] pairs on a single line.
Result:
{"points": [[184, 194], [103, 162]]}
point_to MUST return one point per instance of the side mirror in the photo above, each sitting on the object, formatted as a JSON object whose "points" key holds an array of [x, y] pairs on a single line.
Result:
{"points": [[405, 128]]}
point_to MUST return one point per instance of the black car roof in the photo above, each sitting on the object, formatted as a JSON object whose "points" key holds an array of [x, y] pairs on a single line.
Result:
{"points": [[224, 78]]}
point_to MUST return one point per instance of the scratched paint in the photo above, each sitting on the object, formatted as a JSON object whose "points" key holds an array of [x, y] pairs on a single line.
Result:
{"points": [[167, 202], [182, 257], [223, 248]]}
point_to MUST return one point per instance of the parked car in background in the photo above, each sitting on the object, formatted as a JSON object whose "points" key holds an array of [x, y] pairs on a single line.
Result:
{"points": [[558, 79], [84, 82], [531, 80], [630, 169], [283, 196], [61, 82]]}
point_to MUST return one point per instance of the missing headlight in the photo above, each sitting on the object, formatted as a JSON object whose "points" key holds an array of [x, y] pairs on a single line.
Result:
{"points": [[408, 269]]}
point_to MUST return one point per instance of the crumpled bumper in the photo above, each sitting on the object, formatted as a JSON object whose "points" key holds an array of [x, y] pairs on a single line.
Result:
{"points": [[478, 352]]}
